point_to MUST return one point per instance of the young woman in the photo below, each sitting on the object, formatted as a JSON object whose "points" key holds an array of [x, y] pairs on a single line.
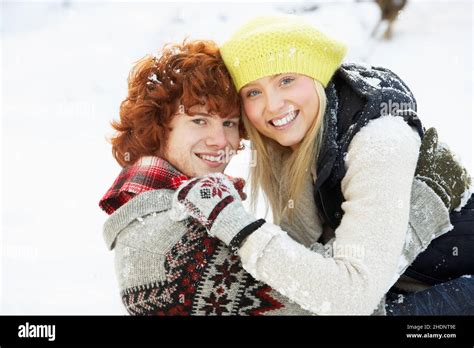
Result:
{"points": [[338, 149], [181, 119]]}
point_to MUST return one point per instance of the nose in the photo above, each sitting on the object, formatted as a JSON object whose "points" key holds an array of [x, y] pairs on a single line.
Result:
{"points": [[217, 137], [275, 102]]}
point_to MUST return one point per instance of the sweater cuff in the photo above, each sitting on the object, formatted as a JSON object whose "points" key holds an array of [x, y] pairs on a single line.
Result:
{"points": [[254, 246], [238, 239]]}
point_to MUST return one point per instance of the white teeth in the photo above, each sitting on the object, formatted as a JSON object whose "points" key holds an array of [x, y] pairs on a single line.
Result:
{"points": [[285, 120], [210, 158]]}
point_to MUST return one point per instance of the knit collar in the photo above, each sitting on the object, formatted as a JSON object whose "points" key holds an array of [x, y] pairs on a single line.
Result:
{"points": [[148, 173]]}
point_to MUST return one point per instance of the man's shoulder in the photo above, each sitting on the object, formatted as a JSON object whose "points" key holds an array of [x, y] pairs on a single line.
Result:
{"points": [[149, 205]]}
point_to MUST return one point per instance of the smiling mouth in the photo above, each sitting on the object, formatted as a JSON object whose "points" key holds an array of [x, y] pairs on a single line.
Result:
{"points": [[283, 121], [210, 158], [212, 161]]}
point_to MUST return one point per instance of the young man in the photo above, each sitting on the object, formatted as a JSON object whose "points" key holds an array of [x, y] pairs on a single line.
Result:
{"points": [[180, 120]]}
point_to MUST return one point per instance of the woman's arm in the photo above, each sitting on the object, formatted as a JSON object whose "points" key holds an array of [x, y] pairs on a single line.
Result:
{"points": [[380, 164], [176, 268]]}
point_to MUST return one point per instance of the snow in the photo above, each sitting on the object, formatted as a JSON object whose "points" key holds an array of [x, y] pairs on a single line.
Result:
{"points": [[373, 81], [465, 197], [64, 71], [153, 78]]}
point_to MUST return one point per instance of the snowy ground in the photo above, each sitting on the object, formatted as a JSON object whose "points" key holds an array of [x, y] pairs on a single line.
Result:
{"points": [[64, 70]]}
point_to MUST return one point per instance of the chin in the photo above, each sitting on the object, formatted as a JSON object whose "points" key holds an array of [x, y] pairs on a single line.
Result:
{"points": [[209, 171], [216, 170], [289, 142]]}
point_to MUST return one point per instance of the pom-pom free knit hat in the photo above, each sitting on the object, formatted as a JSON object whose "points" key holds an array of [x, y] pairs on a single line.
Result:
{"points": [[271, 45]]}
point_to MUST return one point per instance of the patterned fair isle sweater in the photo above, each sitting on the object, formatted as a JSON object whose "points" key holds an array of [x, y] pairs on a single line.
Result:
{"points": [[175, 268]]}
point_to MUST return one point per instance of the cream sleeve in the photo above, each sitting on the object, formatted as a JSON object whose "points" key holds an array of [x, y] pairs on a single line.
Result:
{"points": [[380, 163]]}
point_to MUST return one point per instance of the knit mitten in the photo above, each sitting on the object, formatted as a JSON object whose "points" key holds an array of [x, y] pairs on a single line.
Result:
{"points": [[239, 185], [216, 204], [428, 220], [439, 169]]}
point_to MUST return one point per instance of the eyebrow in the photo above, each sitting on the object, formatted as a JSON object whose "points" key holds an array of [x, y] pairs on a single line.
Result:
{"points": [[201, 114], [235, 118], [273, 77], [215, 116]]}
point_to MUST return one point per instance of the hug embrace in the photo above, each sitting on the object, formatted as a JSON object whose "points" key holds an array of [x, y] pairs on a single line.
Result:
{"points": [[372, 214]]}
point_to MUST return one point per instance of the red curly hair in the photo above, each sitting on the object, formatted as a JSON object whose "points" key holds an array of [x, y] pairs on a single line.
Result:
{"points": [[184, 75]]}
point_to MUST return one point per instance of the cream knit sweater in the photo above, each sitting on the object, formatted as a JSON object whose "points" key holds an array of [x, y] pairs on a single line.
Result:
{"points": [[380, 163]]}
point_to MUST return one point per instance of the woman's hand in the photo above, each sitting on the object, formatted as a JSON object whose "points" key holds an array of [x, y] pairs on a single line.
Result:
{"points": [[439, 169], [214, 201]]}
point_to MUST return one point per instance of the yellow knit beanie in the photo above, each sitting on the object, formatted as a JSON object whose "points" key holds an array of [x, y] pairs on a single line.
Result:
{"points": [[272, 45]]}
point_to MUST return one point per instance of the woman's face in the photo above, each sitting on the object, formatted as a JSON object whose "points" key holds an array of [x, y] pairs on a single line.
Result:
{"points": [[282, 107], [201, 144]]}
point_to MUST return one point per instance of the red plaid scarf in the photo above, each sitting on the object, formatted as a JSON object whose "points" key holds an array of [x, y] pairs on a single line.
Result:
{"points": [[148, 173]]}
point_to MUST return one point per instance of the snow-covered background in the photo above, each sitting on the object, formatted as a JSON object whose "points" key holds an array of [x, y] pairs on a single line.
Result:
{"points": [[63, 70]]}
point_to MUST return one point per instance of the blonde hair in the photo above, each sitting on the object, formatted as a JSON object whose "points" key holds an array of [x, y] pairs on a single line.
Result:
{"points": [[280, 172]]}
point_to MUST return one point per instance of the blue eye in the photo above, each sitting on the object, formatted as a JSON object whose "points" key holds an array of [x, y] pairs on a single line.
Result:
{"points": [[252, 93], [199, 121], [286, 80]]}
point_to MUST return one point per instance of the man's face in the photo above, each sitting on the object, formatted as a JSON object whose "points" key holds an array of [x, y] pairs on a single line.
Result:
{"points": [[200, 144]]}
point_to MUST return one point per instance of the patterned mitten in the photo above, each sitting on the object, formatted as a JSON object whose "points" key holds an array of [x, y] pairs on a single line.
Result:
{"points": [[439, 169], [239, 185], [216, 204]]}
